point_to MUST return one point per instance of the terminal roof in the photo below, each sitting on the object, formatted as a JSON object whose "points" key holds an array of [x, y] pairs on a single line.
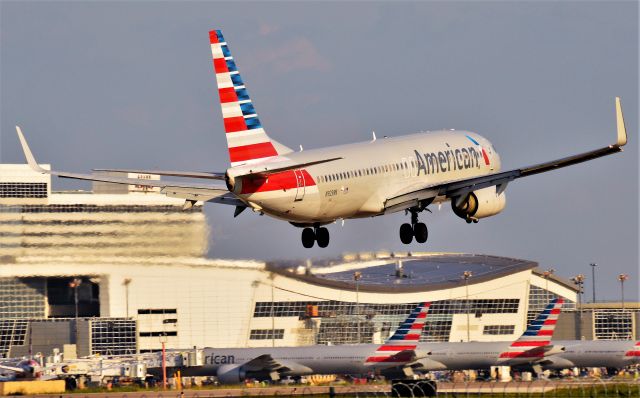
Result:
{"points": [[424, 273]]}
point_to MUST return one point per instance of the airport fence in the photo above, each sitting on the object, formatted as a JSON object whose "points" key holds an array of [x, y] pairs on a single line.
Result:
{"points": [[592, 388]]}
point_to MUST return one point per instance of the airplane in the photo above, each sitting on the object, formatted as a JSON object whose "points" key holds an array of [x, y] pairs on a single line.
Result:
{"points": [[401, 355], [233, 365], [532, 347], [614, 354], [534, 350], [28, 369], [313, 188]]}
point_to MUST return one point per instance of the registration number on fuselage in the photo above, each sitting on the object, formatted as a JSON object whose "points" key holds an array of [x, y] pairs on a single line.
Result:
{"points": [[331, 192]]}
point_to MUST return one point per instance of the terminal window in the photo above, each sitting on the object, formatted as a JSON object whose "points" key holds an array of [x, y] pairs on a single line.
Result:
{"points": [[23, 190], [350, 323], [22, 297], [266, 334], [498, 329], [12, 332], [113, 336], [613, 325]]}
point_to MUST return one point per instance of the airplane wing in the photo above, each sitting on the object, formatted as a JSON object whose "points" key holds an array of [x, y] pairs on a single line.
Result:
{"points": [[266, 363], [189, 191], [12, 368], [461, 188]]}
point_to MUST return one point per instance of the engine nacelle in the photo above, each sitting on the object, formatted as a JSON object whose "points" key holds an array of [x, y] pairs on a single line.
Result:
{"points": [[482, 203], [230, 374]]}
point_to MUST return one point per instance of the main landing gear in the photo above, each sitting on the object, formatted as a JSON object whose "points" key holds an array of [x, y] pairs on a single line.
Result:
{"points": [[416, 230], [315, 234]]}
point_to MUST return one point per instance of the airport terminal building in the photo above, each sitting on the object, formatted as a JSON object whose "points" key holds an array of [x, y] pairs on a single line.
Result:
{"points": [[123, 270]]}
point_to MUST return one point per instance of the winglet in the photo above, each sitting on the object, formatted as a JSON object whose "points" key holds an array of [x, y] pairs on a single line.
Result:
{"points": [[27, 153], [622, 131]]}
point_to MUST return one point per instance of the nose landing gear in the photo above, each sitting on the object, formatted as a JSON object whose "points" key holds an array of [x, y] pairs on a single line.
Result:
{"points": [[315, 234], [416, 230]]}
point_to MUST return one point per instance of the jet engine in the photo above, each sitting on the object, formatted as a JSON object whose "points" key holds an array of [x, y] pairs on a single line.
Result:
{"points": [[478, 204], [230, 374], [230, 180]]}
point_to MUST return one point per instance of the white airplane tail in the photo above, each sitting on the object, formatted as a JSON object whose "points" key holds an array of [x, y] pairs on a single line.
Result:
{"points": [[399, 349], [246, 139]]}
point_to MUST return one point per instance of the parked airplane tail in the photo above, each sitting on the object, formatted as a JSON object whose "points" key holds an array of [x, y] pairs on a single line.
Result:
{"points": [[246, 139], [536, 340], [634, 353], [399, 349]]}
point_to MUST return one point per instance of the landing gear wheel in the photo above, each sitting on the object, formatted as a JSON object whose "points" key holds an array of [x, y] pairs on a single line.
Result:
{"points": [[406, 233], [420, 232], [308, 238], [322, 237]]}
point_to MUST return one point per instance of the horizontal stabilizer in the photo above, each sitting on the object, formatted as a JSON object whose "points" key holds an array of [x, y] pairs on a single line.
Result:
{"points": [[185, 174], [197, 192]]}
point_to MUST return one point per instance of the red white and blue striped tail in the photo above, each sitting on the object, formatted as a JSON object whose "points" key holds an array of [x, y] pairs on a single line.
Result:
{"points": [[399, 349], [246, 139], [634, 353], [538, 335]]}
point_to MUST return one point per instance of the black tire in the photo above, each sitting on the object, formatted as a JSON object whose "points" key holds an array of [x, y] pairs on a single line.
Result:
{"points": [[308, 238], [322, 237], [420, 232], [406, 233]]}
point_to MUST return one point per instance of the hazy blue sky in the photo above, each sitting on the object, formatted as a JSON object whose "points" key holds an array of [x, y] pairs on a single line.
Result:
{"points": [[130, 84]]}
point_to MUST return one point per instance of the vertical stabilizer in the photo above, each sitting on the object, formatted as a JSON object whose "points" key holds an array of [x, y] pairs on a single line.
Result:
{"points": [[400, 347], [538, 335], [246, 139]]}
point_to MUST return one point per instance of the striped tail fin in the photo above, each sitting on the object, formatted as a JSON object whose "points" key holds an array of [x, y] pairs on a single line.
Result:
{"points": [[538, 335], [400, 347], [246, 139], [634, 353]]}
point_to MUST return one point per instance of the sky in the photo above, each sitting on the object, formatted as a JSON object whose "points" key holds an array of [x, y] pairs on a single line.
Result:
{"points": [[130, 85]]}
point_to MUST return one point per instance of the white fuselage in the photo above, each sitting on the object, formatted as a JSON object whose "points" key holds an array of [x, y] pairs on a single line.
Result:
{"points": [[368, 173], [351, 359]]}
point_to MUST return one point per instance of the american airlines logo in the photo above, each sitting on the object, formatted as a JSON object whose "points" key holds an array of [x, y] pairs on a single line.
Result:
{"points": [[449, 160], [214, 359]]}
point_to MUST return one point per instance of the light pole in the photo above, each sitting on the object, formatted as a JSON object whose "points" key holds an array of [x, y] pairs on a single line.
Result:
{"points": [[593, 279], [356, 277], [126, 283], [466, 275], [622, 278], [578, 280], [547, 274], [273, 314], [75, 282]]}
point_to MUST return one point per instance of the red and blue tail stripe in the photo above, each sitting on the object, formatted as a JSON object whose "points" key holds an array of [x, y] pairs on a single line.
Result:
{"points": [[538, 334], [246, 139], [399, 348], [635, 352]]}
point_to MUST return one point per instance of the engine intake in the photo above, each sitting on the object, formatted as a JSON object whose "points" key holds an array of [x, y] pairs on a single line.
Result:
{"points": [[230, 374], [482, 203]]}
